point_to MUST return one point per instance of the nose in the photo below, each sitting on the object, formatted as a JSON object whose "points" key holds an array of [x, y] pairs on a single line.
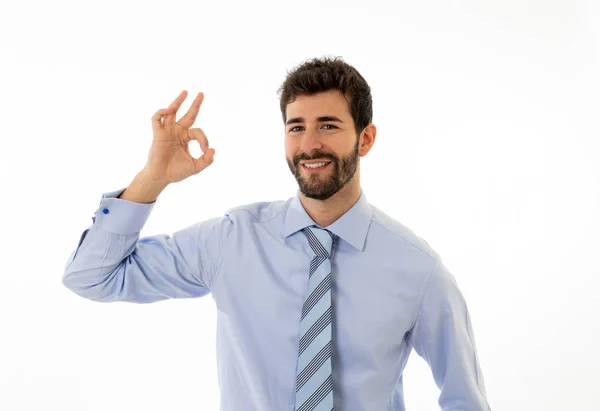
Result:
{"points": [[310, 142]]}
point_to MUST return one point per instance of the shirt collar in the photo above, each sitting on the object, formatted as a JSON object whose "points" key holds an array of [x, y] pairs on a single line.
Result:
{"points": [[352, 227]]}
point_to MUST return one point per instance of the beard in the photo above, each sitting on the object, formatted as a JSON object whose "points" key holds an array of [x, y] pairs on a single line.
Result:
{"points": [[324, 184]]}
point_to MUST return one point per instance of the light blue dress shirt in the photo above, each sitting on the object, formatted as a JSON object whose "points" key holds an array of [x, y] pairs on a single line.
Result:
{"points": [[390, 294]]}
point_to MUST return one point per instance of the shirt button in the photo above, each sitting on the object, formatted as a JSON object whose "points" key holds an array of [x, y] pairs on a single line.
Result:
{"points": [[105, 211]]}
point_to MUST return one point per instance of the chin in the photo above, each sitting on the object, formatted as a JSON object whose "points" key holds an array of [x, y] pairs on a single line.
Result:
{"points": [[318, 195]]}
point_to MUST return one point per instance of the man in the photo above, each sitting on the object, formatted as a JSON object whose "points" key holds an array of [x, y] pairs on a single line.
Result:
{"points": [[320, 298]]}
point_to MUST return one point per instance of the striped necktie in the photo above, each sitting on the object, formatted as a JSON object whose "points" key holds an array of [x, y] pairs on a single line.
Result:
{"points": [[314, 381]]}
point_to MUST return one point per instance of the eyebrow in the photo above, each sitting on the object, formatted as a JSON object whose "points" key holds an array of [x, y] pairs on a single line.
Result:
{"points": [[319, 119]]}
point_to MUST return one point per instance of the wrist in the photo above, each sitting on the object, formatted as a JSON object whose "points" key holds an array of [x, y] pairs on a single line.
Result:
{"points": [[143, 189]]}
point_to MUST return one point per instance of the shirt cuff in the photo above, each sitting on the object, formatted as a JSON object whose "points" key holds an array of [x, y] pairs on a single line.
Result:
{"points": [[121, 216]]}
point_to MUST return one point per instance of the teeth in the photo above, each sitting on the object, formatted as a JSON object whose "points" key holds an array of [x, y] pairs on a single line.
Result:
{"points": [[315, 165]]}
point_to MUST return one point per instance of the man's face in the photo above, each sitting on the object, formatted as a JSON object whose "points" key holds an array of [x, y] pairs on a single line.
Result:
{"points": [[309, 138]]}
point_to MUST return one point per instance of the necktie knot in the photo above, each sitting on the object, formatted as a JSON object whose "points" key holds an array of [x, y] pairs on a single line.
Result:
{"points": [[320, 240]]}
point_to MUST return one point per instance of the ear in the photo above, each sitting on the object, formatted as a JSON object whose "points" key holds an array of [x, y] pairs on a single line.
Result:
{"points": [[368, 139]]}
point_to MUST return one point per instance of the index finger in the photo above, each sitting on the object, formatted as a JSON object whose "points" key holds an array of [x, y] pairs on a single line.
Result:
{"points": [[170, 117], [188, 119]]}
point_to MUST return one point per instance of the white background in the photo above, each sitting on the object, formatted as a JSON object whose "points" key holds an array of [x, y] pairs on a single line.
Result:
{"points": [[487, 147]]}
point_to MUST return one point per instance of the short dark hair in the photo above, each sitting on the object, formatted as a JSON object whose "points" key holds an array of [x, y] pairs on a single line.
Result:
{"points": [[324, 74]]}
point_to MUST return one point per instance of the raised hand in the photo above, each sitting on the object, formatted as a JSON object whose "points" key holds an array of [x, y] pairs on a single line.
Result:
{"points": [[169, 160]]}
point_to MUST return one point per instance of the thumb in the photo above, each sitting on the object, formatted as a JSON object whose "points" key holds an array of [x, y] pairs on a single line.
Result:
{"points": [[205, 160]]}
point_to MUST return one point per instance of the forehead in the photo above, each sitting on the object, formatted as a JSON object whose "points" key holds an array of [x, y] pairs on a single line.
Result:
{"points": [[330, 102]]}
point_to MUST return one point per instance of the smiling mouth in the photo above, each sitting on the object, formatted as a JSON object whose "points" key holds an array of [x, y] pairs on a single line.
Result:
{"points": [[304, 166]]}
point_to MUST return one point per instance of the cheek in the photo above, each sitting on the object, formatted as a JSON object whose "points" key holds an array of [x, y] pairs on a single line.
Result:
{"points": [[290, 150]]}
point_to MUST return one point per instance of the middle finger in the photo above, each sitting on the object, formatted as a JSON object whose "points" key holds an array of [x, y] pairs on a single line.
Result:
{"points": [[188, 119], [170, 118]]}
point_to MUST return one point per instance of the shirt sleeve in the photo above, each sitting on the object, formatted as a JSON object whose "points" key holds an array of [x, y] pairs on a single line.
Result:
{"points": [[112, 263], [443, 336]]}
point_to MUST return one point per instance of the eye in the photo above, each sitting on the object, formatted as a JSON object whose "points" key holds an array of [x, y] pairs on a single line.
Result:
{"points": [[325, 125]]}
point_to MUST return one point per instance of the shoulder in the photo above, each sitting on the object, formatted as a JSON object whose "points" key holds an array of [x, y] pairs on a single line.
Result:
{"points": [[217, 231], [260, 211], [399, 233]]}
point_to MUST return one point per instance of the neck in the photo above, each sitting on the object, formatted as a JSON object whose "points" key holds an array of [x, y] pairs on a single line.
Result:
{"points": [[326, 212]]}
